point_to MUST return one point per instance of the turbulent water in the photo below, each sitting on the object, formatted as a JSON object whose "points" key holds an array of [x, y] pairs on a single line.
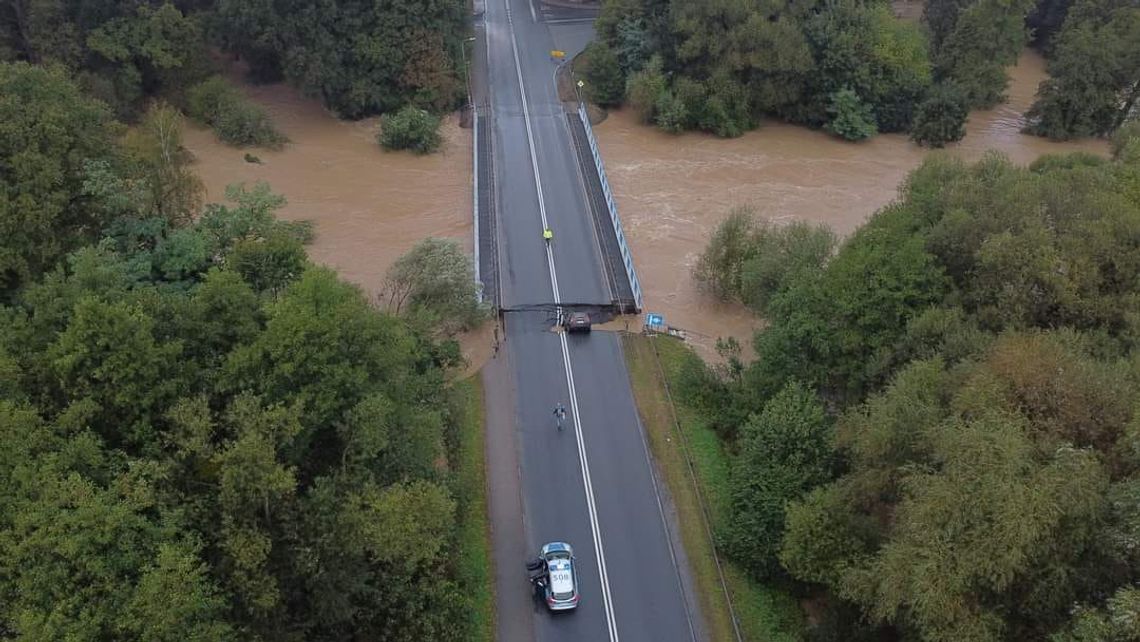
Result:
{"points": [[369, 206], [672, 190]]}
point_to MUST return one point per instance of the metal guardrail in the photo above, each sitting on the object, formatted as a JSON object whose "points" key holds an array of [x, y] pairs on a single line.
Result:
{"points": [[475, 196], [611, 204]]}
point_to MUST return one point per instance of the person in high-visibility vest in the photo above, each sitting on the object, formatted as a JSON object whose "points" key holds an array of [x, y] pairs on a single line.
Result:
{"points": [[547, 235]]}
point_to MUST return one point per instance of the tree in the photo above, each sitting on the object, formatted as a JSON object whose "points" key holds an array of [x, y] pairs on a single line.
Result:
{"points": [[146, 50], [604, 77], [987, 37], [176, 600], [941, 117], [48, 132], [782, 254], [784, 452], [410, 128], [109, 355], [1094, 74], [644, 90], [172, 190], [720, 266], [436, 278], [851, 119], [360, 58]]}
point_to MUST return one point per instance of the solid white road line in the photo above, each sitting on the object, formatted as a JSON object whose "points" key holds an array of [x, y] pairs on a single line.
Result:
{"points": [[611, 620]]}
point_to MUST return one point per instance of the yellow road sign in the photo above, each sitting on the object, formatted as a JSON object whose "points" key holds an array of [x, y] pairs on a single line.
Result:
{"points": [[557, 53]]}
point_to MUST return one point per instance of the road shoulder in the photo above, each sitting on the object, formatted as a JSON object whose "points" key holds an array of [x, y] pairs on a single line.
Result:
{"points": [[514, 620]]}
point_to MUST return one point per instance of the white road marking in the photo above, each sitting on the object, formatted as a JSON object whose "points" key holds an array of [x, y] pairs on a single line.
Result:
{"points": [[611, 620]]}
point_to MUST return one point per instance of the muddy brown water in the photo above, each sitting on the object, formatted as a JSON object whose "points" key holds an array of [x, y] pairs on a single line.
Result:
{"points": [[673, 190], [369, 206]]}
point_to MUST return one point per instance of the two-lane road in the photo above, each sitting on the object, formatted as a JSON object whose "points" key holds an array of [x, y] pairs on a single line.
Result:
{"points": [[591, 485]]}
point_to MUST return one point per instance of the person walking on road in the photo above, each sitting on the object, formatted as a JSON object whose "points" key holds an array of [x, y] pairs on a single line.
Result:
{"points": [[559, 414]]}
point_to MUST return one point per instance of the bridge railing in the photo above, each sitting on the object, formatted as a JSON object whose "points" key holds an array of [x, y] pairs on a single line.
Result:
{"points": [[611, 204]]}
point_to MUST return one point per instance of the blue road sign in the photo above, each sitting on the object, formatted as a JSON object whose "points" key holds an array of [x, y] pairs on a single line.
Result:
{"points": [[654, 320]]}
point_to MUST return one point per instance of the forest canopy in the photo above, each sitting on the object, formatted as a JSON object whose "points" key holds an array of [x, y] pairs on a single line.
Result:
{"points": [[962, 370], [203, 436], [852, 68], [359, 58]]}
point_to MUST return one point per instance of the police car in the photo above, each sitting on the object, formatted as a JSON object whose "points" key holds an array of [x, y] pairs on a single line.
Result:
{"points": [[562, 586]]}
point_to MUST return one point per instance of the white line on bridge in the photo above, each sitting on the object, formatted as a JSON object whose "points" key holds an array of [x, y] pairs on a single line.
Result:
{"points": [[611, 620]]}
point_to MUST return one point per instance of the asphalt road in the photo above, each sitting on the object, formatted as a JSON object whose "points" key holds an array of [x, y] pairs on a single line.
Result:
{"points": [[592, 484]]}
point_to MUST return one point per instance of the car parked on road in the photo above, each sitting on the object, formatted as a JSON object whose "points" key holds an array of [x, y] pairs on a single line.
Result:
{"points": [[577, 322], [561, 586]]}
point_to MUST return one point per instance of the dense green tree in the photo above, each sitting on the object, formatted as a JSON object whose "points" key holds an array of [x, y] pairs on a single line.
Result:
{"points": [[410, 128], [1094, 72], [48, 132], [987, 37], [606, 82], [850, 117], [359, 58], [143, 51], [940, 117], [784, 451], [172, 190]]}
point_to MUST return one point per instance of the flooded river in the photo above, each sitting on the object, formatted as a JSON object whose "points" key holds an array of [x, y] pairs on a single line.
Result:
{"points": [[673, 190], [369, 207]]}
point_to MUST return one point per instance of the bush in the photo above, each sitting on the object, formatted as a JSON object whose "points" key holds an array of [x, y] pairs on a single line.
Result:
{"points": [[941, 118], [605, 83], [672, 115], [851, 118], [410, 128], [1126, 142], [234, 119]]}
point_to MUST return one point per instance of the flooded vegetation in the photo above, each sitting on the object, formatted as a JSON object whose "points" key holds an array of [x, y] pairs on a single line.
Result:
{"points": [[673, 190], [368, 206]]}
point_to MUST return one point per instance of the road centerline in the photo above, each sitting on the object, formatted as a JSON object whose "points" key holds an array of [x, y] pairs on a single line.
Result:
{"points": [[611, 620]]}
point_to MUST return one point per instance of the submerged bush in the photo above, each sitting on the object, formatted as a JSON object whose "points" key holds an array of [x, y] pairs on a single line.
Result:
{"points": [[410, 128], [234, 119]]}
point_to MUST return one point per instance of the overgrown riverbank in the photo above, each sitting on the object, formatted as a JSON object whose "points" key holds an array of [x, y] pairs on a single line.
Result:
{"points": [[677, 435]]}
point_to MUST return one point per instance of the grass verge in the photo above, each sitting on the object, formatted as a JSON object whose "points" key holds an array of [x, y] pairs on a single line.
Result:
{"points": [[474, 542], [764, 613]]}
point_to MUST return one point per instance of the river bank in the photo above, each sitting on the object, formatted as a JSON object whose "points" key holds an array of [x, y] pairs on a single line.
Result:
{"points": [[673, 190]]}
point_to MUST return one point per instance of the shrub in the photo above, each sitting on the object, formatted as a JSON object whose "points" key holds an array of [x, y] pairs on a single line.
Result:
{"points": [[234, 119], [672, 115], [410, 128], [1126, 142], [851, 118], [941, 117]]}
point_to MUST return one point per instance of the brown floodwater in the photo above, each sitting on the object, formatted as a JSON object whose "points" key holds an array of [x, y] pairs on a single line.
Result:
{"points": [[673, 190], [368, 206]]}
